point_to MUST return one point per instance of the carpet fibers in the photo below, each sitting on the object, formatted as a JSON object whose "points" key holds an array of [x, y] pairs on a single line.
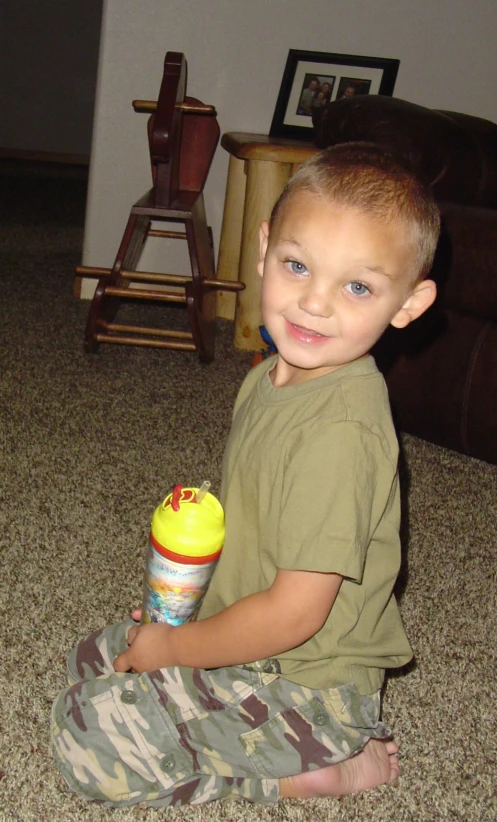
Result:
{"points": [[88, 446]]}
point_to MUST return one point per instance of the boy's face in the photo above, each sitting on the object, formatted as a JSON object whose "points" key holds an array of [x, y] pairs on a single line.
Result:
{"points": [[333, 279]]}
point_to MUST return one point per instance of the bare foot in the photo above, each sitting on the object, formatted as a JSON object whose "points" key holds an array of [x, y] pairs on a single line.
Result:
{"points": [[375, 765]]}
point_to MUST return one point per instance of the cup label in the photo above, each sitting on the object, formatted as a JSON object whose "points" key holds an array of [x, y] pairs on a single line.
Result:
{"points": [[173, 590]]}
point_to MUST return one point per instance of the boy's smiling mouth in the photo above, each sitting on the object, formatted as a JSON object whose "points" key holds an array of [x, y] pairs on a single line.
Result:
{"points": [[305, 335]]}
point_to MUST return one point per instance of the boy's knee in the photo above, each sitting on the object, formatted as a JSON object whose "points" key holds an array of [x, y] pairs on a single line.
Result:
{"points": [[111, 744], [84, 744], [73, 743]]}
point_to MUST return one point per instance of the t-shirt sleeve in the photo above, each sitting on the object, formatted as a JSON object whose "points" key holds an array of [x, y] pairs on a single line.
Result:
{"points": [[328, 505]]}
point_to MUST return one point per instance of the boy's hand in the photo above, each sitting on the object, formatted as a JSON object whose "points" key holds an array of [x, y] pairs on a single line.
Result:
{"points": [[148, 649]]}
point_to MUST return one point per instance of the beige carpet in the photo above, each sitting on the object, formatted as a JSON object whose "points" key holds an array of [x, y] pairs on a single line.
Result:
{"points": [[88, 446]]}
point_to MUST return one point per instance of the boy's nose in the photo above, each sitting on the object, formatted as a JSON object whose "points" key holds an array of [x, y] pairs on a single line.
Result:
{"points": [[317, 303]]}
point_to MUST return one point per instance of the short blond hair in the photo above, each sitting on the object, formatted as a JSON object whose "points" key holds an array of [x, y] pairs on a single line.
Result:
{"points": [[377, 182]]}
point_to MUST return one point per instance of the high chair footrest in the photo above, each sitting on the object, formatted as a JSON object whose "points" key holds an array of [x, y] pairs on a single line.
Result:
{"points": [[118, 328], [120, 339], [145, 294], [224, 285]]}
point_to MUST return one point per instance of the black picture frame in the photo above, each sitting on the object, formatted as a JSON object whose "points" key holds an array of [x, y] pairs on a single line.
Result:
{"points": [[349, 73]]}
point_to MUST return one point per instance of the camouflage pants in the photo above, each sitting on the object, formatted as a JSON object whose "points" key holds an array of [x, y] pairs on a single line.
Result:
{"points": [[182, 735]]}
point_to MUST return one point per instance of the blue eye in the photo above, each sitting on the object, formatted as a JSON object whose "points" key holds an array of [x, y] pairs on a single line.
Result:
{"points": [[358, 289], [295, 267]]}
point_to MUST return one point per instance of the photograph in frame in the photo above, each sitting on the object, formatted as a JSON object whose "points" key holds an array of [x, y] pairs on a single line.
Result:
{"points": [[313, 78]]}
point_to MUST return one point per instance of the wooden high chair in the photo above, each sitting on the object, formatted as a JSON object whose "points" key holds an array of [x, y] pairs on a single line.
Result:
{"points": [[183, 134]]}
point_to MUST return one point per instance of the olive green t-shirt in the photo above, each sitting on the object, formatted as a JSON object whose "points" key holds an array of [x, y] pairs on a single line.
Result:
{"points": [[310, 483]]}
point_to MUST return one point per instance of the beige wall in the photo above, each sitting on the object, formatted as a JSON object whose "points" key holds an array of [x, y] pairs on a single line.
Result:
{"points": [[236, 52]]}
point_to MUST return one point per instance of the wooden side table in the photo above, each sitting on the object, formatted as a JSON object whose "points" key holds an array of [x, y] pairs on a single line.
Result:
{"points": [[258, 170]]}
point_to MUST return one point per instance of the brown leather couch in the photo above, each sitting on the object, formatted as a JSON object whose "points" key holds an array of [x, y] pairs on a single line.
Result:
{"points": [[442, 370]]}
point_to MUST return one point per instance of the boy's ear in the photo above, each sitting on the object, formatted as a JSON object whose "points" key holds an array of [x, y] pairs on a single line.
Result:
{"points": [[263, 241], [416, 304]]}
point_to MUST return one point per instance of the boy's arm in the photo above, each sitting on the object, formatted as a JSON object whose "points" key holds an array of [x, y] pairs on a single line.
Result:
{"points": [[258, 626]]}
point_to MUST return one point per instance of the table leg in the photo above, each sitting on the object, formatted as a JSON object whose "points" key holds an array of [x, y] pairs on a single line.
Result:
{"points": [[265, 181], [228, 262]]}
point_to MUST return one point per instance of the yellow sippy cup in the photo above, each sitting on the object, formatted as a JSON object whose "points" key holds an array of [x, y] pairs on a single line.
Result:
{"points": [[186, 539]]}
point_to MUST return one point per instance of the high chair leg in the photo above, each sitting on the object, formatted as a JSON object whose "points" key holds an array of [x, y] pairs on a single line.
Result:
{"points": [[104, 307], [202, 323]]}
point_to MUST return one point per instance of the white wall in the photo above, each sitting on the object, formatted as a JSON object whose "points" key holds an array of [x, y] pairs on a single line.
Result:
{"points": [[236, 52]]}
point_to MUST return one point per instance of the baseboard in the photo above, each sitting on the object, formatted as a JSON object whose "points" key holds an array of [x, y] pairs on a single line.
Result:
{"points": [[44, 156]]}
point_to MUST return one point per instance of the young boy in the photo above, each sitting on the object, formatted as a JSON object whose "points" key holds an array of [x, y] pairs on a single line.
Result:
{"points": [[275, 690]]}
